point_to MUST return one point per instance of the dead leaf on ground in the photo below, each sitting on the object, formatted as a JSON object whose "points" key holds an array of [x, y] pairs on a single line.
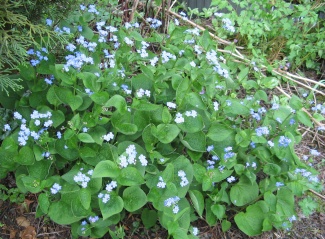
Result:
{"points": [[12, 234], [28, 233], [22, 221]]}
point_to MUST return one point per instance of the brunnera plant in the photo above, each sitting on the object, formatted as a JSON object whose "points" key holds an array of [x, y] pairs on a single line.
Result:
{"points": [[162, 125]]}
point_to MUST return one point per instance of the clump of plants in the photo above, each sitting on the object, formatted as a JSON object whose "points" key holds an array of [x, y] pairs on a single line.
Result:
{"points": [[285, 34], [166, 126]]}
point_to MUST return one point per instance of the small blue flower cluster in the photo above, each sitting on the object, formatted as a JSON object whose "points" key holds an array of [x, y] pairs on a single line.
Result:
{"points": [[212, 59], [284, 141], [83, 178], [39, 56], [319, 108], [37, 119], [228, 153], [227, 24], [184, 180], [109, 188], [258, 115], [308, 175], [172, 202], [161, 183], [129, 157], [154, 23], [262, 131], [55, 188], [49, 80]]}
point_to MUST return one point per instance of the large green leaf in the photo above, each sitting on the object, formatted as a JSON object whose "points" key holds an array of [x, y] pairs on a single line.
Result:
{"points": [[195, 141], [219, 132], [25, 156], [130, 176], [134, 198], [191, 124], [243, 192], [285, 202], [113, 206], [251, 222], [118, 102], [165, 133], [197, 200], [67, 218], [149, 217], [66, 77], [85, 138], [106, 168]]}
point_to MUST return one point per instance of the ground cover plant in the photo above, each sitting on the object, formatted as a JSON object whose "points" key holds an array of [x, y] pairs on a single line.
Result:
{"points": [[167, 125]]}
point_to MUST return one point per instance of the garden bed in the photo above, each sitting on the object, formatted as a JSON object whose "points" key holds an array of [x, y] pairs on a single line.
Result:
{"points": [[154, 127]]}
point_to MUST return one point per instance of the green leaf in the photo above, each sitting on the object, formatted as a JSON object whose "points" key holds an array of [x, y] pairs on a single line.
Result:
{"points": [[285, 202], [25, 156], [218, 210], [87, 32], [272, 169], [236, 108], [295, 102], [217, 176], [106, 168], [261, 95], [243, 138], [191, 124], [85, 138], [66, 96], [197, 200], [165, 133], [43, 202], [270, 199], [118, 102], [251, 222], [130, 177], [57, 118], [243, 74], [67, 153], [134, 198], [209, 216], [51, 96], [100, 97], [225, 225], [67, 77], [27, 72], [219, 132], [85, 197], [195, 100], [55, 213], [304, 118], [149, 218], [166, 116], [195, 141], [113, 206], [243, 192], [269, 82], [126, 128]]}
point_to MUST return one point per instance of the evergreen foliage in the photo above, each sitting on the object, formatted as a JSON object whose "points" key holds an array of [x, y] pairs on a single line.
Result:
{"points": [[21, 28]]}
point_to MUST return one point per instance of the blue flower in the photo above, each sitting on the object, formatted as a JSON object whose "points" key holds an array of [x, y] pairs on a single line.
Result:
{"points": [[284, 141], [49, 22]]}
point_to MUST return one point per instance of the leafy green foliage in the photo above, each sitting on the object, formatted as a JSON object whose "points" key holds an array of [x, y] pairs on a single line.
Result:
{"points": [[271, 29], [155, 126]]}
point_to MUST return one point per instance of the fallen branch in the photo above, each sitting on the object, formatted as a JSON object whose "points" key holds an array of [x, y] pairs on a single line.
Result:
{"points": [[317, 194], [222, 41]]}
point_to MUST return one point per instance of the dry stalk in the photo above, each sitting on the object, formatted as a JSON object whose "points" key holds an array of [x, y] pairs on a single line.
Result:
{"points": [[220, 40], [317, 194], [134, 8]]}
